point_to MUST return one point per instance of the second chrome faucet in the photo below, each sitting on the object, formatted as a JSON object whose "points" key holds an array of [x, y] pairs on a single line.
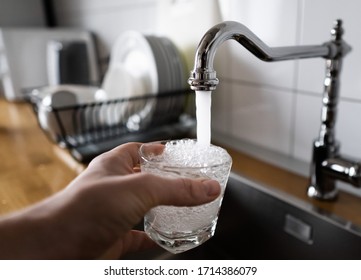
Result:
{"points": [[327, 164]]}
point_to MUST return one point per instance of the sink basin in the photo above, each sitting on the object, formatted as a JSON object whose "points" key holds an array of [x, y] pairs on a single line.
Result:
{"points": [[258, 222]]}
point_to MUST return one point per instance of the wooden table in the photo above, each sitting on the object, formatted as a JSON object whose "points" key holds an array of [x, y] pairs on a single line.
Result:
{"points": [[32, 167]]}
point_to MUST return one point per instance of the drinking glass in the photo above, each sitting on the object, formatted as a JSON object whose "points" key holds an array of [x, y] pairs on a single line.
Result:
{"points": [[175, 228]]}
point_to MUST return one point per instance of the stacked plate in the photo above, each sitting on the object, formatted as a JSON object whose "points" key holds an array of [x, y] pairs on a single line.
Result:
{"points": [[170, 67], [171, 75], [147, 65]]}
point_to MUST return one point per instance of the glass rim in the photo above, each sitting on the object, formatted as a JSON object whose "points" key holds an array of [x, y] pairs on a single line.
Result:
{"points": [[228, 160]]}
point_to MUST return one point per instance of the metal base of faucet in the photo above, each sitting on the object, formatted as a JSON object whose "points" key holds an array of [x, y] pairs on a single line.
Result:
{"points": [[313, 192], [321, 186], [327, 167]]}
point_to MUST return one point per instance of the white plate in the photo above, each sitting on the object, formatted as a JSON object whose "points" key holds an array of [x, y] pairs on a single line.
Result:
{"points": [[133, 52], [119, 83]]}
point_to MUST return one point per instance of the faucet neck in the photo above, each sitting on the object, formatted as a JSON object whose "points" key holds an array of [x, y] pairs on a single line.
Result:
{"points": [[331, 89], [203, 76]]}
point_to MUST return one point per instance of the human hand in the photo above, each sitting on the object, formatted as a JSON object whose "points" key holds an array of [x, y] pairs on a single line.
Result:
{"points": [[94, 216]]}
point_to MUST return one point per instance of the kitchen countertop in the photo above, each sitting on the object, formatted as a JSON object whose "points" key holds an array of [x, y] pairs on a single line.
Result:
{"points": [[30, 166], [33, 168]]}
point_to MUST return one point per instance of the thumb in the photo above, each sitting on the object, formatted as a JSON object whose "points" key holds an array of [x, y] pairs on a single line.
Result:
{"points": [[175, 191]]}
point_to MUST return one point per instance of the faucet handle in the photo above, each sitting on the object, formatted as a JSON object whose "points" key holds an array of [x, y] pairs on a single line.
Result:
{"points": [[337, 30], [337, 46]]}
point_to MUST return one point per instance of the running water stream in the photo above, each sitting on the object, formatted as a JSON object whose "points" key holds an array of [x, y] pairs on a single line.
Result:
{"points": [[203, 115]]}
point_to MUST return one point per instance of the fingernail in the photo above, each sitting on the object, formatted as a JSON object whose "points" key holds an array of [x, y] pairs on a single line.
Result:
{"points": [[213, 188]]}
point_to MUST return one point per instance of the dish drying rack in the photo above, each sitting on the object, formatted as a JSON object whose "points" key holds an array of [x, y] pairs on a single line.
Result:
{"points": [[88, 130]]}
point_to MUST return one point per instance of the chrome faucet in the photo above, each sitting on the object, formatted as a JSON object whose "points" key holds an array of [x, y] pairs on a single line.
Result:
{"points": [[327, 164]]}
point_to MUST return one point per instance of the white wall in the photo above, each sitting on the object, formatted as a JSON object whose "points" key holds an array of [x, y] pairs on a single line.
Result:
{"points": [[14, 13], [19, 13], [273, 105], [106, 18]]}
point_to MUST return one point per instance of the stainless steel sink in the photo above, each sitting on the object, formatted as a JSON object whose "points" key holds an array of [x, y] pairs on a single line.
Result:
{"points": [[258, 222]]}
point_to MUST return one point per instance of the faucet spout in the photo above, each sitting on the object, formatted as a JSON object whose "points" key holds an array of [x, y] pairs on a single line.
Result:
{"points": [[203, 76], [327, 165]]}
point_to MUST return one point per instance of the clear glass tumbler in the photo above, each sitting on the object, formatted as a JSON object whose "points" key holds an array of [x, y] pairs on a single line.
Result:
{"points": [[178, 229]]}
